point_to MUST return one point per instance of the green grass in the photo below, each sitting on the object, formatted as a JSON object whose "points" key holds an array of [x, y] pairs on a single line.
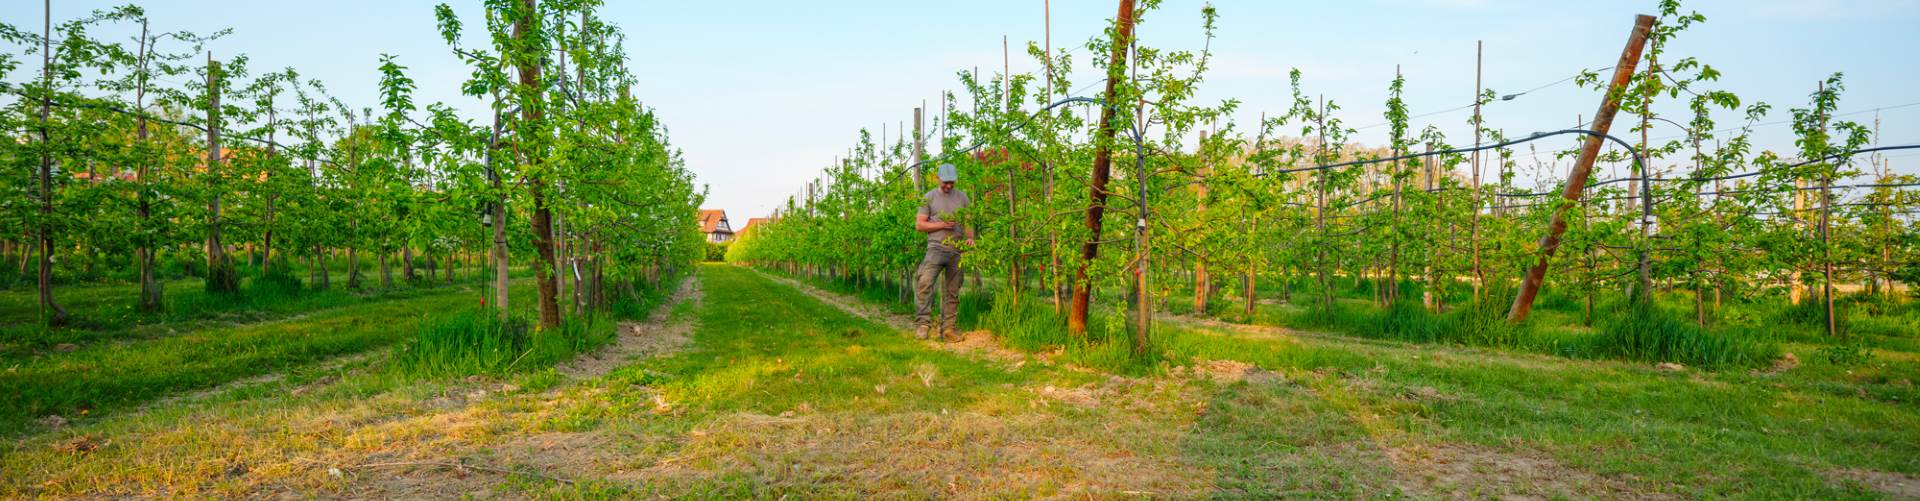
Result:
{"points": [[872, 400], [1027, 323], [107, 312], [1717, 434], [782, 395], [107, 377], [1729, 434], [1648, 334], [1638, 333]]}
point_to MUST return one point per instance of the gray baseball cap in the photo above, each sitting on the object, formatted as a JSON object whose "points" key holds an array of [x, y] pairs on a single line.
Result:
{"points": [[948, 173]]}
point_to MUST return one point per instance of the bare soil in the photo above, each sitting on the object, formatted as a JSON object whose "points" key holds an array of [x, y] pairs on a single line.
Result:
{"points": [[1897, 485], [658, 335]]}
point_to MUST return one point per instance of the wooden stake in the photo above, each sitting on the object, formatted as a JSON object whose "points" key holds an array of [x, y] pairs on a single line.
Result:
{"points": [[1826, 228], [919, 151], [1582, 167], [1102, 167], [1200, 285], [1479, 49], [1013, 169]]}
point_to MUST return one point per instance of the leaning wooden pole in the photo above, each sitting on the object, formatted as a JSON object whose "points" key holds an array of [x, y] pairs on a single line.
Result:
{"points": [[1577, 180], [1102, 166]]}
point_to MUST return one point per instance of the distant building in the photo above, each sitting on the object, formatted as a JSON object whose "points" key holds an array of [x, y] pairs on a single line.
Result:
{"points": [[751, 224], [713, 222]]}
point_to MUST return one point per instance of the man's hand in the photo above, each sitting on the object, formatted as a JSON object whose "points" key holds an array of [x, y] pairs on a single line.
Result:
{"points": [[924, 225]]}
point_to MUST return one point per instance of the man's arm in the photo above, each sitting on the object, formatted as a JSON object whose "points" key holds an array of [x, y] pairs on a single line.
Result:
{"points": [[921, 224]]}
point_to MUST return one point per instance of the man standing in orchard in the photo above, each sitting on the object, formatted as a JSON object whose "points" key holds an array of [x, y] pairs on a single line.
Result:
{"points": [[936, 218]]}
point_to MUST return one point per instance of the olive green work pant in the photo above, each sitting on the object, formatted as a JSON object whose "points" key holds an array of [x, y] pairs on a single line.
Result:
{"points": [[942, 263]]}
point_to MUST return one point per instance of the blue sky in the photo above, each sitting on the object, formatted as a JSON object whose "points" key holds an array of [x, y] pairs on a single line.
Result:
{"points": [[760, 94]]}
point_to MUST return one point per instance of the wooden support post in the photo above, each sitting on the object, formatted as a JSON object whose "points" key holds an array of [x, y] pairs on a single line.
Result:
{"points": [[919, 151], [1582, 167], [1253, 232], [1479, 276], [1102, 167], [1013, 171], [1826, 230], [1201, 288], [1796, 290]]}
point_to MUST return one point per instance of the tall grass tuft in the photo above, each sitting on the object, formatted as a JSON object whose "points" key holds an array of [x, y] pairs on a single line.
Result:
{"points": [[1644, 332], [1812, 312], [1471, 324], [478, 342], [1032, 325]]}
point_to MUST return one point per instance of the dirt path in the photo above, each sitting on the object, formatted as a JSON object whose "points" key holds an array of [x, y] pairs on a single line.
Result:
{"points": [[659, 334], [467, 472]]}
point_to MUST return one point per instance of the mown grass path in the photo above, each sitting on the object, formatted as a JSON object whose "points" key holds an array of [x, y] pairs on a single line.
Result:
{"points": [[781, 394], [1365, 417]]}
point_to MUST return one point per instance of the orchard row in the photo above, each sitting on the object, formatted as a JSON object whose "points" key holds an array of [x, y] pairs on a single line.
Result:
{"points": [[153, 159]]}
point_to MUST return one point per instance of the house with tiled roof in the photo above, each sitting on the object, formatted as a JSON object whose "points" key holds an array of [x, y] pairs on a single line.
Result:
{"points": [[751, 224], [713, 222]]}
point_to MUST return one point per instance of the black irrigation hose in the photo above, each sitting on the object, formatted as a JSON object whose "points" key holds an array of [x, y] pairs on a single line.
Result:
{"points": [[1756, 173], [1535, 137], [1637, 157]]}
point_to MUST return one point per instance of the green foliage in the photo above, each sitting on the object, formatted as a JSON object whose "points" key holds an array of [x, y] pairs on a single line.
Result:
{"points": [[303, 177], [1847, 353]]}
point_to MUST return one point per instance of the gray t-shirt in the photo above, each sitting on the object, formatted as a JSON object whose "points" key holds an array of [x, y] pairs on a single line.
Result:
{"points": [[939, 205]]}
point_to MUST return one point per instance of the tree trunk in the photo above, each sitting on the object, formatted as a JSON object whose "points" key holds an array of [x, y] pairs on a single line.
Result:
{"points": [[151, 291], [320, 259], [1102, 167], [49, 309], [524, 26], [220, 274], [353, 267], [406, 263], [266, 238]]}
